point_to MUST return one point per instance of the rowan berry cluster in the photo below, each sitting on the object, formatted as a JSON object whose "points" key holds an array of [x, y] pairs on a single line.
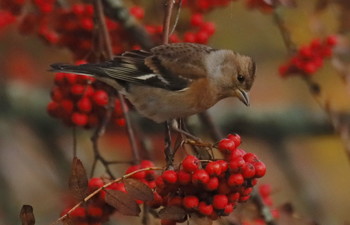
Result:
{"points": [[81, 101], [309, 58], [211, 188]]}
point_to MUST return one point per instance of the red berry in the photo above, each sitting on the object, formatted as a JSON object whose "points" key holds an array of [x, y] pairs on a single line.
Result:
{"points": [[84, 105], [77, 89], [265, 190], [95, 183], [78, 212], [157, 200], [332, 40], [169, 176], [212, 184], [190, 202], [117, 186], [248, 170], [52, 109], [213, 169], [57, 94], [223, 165], [189, 37], [235, 138], [138, 12], [234, 197], [94, 211], [196, 19], [200, 177], [100, 97], [205, 209], [250, 157], [260, 169], [226, 146], [71, 78], [79, 119], [209, 28], [228, 209], [246, 191], [139, 175], [67, 106], [202, 37], [183, 177], [244, 198], [236, 164], [220, 201], [235, 180], [59, 78], [223, 187], [175, 201], [190, 163]]}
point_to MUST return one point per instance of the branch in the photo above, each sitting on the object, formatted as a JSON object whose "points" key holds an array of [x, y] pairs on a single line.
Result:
{"points": [[116, 10]]}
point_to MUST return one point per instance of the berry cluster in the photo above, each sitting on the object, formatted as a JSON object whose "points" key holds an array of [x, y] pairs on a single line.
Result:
{"points": [[81, 101], [211, 188], [96, 210], [309, 58]]}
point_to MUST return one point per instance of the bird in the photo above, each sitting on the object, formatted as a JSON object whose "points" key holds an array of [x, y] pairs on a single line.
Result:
{"points": [[173, 81]]}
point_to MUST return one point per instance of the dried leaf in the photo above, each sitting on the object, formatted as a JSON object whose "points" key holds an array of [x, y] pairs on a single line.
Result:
{"points": [[123, 202], [138, 190], [27, 215], [172, 213], [195, 219], [78, 181]]}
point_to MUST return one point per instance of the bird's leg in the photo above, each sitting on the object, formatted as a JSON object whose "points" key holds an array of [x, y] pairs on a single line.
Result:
{"points": [[175, 126]]}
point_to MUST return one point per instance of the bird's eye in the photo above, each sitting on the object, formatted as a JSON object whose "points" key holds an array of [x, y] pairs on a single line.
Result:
{"points": [[241, 78]]}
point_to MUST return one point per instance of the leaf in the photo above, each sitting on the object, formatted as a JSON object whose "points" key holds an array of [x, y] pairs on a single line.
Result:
{"points": [[123, 202], [172, 213], [78, 181], [27, 215], [138, 190]]}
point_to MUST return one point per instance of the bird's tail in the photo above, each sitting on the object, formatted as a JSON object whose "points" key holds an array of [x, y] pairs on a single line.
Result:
{"points": [[83, 69]]}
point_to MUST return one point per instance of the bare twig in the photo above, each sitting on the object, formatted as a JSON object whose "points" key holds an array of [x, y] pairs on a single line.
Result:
{"points": [[167, 19], [178, 10], [116, 10], [108, 46], [87, 198]]}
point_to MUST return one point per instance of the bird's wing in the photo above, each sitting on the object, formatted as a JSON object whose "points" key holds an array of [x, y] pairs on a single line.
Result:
{"points": [[170, 67]]}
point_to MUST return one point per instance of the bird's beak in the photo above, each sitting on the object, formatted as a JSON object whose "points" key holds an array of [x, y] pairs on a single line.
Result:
{"points": [[243, 96]]}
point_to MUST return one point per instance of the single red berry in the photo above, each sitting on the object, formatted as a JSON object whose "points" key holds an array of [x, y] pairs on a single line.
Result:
{"points": [[78, 212], [213, 168], [212, 184], [306, 52], [208, 27], [246, 191], [235, 180], [220, 201], [202, 37], [236, 164], [79, 119], [57, 94], [71, 78], [189, 37], [183, 177], [200, 177], [53, 109], [228, 209], [175, 201], [332, 40], [196, 19], [95, 183], [190, 163], [226, 146], [205, 209], [265, 190], [139, 175], [223, 165], [248, 170], [66, 106], [100, 98], [77, 89], [190, 202], [117, 186], [84, 105], [138, 12], [59, 78], [260, 169], [244, 198], [94, 211], [236, 138], [250, 157], [169, 176], [233, 197]]}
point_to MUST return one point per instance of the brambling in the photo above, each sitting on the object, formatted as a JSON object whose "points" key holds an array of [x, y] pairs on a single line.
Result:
{"points": [[173, 80]]}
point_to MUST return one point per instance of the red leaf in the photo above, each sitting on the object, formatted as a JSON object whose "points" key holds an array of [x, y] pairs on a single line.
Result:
{"points": [[78, 181], [172, 213], [138, 190], [26, 215], [123, 202]]}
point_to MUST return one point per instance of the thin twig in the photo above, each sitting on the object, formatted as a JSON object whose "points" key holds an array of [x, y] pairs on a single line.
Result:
{"points": [[87, 198], [74, 133], [178, 11], [167, 19], [108, 45]]}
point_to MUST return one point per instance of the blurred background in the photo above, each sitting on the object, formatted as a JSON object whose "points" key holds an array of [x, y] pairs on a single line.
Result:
{"points": [[307, 163]]}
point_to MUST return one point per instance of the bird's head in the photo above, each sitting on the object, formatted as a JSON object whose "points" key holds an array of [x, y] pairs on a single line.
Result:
{"points": [[243, 77]]}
